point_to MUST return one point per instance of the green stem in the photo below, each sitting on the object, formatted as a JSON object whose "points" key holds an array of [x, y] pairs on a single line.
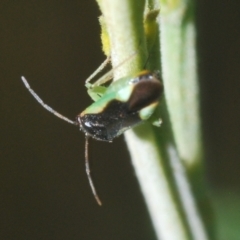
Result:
{"points": [[179, 70], [158, 168], [180, 76]]}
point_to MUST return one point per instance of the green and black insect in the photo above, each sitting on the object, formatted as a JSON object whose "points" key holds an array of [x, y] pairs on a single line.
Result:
{"points": [[122, 105]]}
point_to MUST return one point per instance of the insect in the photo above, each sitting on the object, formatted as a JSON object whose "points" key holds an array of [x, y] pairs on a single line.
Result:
{"points": [[122, 105]]}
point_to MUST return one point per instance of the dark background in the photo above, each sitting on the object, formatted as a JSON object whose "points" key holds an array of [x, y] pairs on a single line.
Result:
{"points": [[44, 193]]}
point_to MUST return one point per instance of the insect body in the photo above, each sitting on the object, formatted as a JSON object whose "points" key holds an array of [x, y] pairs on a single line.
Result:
{"points": [[124, 104]]}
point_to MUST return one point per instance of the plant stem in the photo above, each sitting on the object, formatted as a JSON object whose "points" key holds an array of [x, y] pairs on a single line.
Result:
{"points": [[179, 70], [180, 76], [153, 151]]}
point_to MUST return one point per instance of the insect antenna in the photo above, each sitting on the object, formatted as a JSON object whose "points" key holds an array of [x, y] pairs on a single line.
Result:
{"points": [[89, 172], [44, 104]]}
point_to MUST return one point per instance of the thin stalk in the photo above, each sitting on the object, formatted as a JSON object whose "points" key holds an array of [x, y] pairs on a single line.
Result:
{"points": [[153, 151], [179, 71], [178, 39]]}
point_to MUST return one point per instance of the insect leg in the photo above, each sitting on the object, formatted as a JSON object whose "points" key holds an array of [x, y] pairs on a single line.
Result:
{"points": [[108, 76], [99, 69]]}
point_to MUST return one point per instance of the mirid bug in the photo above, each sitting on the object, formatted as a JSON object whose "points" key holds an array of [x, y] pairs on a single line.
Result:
{"points": [[126, 103], [122, 105]]}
